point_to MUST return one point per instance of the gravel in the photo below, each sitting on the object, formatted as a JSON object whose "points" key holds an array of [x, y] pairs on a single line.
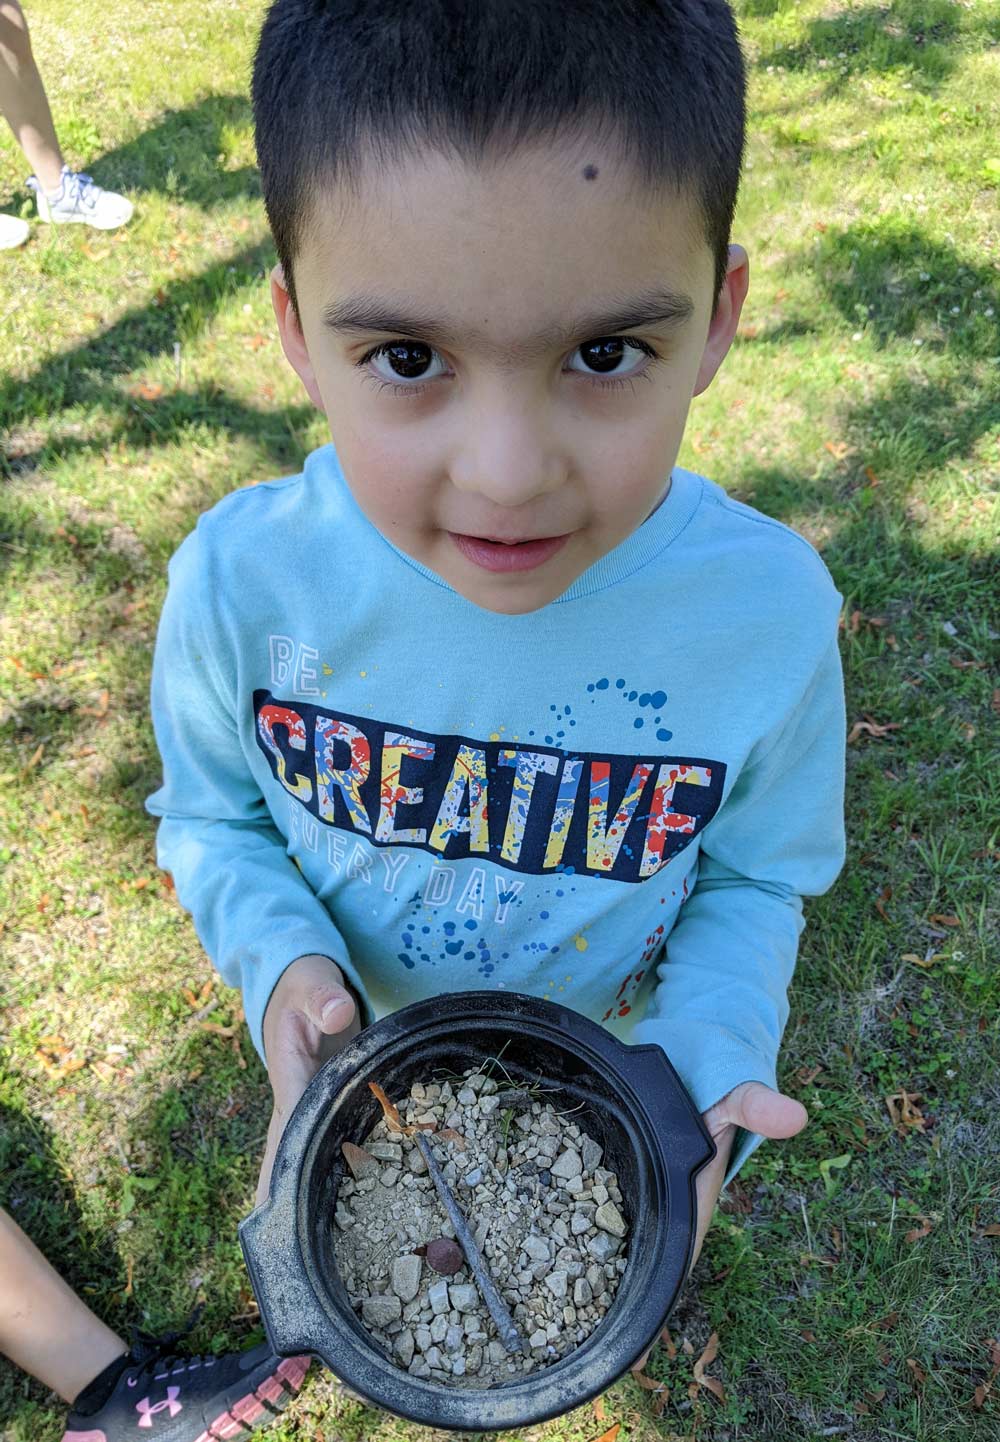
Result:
{"points": [[546, 1214]]}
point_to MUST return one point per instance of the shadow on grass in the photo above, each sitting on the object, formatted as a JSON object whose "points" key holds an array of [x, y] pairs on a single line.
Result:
{"points": [[915, 37], [178, 156], [890, 279], [89, 376]]}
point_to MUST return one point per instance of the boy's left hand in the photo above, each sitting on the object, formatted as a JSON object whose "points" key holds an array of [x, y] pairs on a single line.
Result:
{"points": [[755, 1107]]}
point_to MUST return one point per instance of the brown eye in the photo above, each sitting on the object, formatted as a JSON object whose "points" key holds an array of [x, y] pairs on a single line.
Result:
{"points": [[604, 356], [402, 364]]}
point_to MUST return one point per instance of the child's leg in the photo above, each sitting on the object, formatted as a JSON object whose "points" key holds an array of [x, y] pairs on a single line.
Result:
{"points": [[44, 1326], [23, 99]]}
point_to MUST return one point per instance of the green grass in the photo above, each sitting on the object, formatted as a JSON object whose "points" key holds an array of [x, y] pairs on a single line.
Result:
{"points": [[861, 404]]}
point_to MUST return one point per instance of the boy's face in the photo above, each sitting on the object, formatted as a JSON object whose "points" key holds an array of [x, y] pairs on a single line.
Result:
{"points": [[513, 428]]}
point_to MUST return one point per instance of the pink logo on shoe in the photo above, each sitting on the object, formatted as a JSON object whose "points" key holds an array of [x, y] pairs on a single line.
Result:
{"points": [[147, 1411]]}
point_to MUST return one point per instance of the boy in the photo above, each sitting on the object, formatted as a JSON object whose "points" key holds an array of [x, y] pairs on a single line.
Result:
{"points": [[494, 694]]}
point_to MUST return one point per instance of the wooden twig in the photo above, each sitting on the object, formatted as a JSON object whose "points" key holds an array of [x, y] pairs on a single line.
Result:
{"points": [[505, 1324]]}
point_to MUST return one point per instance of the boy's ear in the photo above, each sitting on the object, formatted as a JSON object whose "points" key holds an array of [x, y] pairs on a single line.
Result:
{"points": [[292, 340], [726, 317]]}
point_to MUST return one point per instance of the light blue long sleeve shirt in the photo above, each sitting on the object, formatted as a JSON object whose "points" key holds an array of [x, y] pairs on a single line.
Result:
{"points": [[616, 801]]}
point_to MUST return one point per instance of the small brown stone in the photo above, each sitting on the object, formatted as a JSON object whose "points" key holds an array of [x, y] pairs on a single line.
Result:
{"points": [[446, 1257]]}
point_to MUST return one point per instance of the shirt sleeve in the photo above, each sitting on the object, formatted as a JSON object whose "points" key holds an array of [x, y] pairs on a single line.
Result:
{"points": [[721, 1002], [252, 908]]}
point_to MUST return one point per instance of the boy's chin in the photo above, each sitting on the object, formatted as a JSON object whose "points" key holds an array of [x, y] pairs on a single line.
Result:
{"points": [[505, 600]]}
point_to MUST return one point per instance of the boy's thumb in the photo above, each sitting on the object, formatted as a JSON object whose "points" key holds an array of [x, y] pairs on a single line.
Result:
{"points": [[330, 1008], [758, 1108], [321, 995]]}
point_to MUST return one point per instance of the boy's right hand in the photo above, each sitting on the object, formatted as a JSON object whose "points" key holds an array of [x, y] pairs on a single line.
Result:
{"points": [[311, 1014]]}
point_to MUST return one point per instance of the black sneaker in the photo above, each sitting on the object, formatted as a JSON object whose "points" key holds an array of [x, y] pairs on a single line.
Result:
{"points": [[166, 1397]]}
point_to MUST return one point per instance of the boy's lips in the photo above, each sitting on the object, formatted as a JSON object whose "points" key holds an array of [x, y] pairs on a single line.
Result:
{"points": [[508, 555]]}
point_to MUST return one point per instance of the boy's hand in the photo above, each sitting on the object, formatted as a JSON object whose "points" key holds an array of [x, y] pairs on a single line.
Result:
{"points": [[310, 1016], [755, 1107]]}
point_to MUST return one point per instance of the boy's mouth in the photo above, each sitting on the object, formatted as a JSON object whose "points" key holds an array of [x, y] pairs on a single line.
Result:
{"points": [[507, 555]]}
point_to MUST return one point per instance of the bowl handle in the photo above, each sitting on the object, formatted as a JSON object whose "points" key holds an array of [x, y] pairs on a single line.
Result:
{"points": [[278, 1279], [669, 1105]]}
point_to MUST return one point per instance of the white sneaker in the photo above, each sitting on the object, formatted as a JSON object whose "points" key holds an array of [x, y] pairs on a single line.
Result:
{"points": [[79, 200], [13, 231]]}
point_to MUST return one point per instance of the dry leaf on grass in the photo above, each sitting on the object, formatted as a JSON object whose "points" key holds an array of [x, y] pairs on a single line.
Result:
{"points": [[659, 1389], [707, 1357], [984, 1388], [610, 1434], [936, 918], [101, 709], [871, 727], [196, 1000], [600, 1412], [805, 1258], [56, 1056], [993, 1230], [668, 1342], [903, 1113], [884, 895], [924, 1230], [919, 1375]]}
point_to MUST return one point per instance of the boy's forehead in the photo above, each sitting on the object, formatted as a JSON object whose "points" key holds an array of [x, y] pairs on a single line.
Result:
{"points": [[538, 238]]}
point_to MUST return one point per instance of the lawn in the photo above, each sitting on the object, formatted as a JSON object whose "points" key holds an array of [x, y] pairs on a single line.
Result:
{"points": [[851, 1279]]}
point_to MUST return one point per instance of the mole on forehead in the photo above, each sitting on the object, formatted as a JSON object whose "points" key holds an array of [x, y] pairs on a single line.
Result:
{"points": [[590, 172]]}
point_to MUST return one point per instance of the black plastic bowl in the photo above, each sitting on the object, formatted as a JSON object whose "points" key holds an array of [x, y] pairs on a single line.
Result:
{"points": [[635, 1106]]}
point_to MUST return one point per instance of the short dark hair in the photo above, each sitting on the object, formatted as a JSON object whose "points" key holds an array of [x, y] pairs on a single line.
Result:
{"points": [[339, 81]]}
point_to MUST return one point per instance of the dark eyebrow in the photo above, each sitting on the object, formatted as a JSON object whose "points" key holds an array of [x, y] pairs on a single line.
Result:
{"points": [[366, 313]]}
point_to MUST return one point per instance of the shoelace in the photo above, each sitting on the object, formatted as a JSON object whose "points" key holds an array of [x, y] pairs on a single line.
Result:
{"points": [[80, 188], [149, 1353]]}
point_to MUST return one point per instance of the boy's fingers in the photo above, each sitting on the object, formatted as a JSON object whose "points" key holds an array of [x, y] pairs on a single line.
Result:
{"points": [[759, 1108], [274, 1131], [330, 1008], [318, 992]]}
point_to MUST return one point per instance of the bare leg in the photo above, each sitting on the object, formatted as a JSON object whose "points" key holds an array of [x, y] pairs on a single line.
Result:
{"points": [[44, 1326], [23, 100]]}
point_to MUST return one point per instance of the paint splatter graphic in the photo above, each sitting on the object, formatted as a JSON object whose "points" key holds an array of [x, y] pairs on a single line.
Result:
{"points": [[653, 700]]}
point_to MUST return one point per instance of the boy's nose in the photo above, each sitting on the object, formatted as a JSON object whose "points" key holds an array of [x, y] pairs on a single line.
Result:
{"points": [[508, 456]]}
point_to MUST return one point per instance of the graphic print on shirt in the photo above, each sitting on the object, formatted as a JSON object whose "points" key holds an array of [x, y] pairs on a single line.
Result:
{"points": [[534, 809]]}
